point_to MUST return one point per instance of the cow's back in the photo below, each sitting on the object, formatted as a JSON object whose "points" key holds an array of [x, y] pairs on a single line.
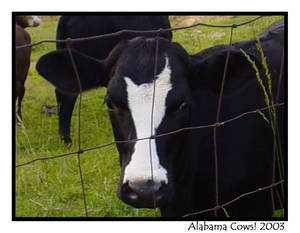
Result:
{"points": [[85, 26]]}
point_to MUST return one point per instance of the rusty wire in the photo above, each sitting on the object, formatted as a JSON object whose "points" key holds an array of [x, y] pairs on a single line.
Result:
{"points": [[152, 136], [68, 44], [152, 115], [138, 32], [217, 120], [218, 207]]}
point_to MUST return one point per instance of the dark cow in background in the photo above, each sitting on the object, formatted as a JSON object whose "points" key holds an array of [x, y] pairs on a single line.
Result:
{"points": [[181, 178], [84, 26], [22, 56]]}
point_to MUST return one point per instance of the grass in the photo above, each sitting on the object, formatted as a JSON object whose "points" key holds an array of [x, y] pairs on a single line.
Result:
{"points": [[52, 188], [269, 100]]}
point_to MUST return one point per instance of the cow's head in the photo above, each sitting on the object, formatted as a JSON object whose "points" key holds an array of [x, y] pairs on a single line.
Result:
{"points": [[149, 167], [28, 20]]}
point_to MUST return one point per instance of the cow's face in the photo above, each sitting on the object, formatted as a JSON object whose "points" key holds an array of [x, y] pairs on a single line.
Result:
{"points": [[147, 165]]}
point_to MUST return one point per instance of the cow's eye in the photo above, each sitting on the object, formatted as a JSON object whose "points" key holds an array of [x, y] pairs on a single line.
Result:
{"points": [[116, 107], [110, 106], [183, 106], [177, 107]]}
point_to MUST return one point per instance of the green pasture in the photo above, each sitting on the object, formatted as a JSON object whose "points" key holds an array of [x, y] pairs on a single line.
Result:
{"points": [[52, 188]]}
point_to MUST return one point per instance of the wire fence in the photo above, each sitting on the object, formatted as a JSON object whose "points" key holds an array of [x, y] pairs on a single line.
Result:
{"points": [[80, 151]]}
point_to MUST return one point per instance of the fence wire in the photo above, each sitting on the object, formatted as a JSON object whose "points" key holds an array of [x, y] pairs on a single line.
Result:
{"points": [[79, 152]]}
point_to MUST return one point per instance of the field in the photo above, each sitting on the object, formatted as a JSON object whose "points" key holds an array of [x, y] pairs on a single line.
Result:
{"points": [[52, 188]]}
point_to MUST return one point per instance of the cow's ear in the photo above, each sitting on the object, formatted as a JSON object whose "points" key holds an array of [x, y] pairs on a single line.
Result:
{"points": [[208, 72], [57, 68]]}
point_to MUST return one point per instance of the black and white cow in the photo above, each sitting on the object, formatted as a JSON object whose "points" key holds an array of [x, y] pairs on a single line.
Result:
{"points": [[84, 26], [181, 177]]}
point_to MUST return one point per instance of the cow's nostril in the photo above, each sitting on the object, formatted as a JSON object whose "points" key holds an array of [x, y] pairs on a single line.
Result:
{"points": [[144, 187], [133, 196]]}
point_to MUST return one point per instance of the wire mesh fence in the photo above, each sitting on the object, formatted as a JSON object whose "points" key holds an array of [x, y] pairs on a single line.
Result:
{"points": [[215, 125]]}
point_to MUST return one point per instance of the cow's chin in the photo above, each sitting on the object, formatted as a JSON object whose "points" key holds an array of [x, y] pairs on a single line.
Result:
{"points": [[152, 200]]}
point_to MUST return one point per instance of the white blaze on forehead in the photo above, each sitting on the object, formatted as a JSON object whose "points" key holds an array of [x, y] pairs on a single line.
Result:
{"points": [[140, 105]]}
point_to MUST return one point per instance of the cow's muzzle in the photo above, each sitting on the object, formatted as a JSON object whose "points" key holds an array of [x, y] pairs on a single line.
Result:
{"points": [[143, 194]]}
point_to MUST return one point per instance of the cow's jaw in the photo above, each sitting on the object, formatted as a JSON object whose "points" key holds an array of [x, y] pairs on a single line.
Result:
{"points": [[140, 98]]}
